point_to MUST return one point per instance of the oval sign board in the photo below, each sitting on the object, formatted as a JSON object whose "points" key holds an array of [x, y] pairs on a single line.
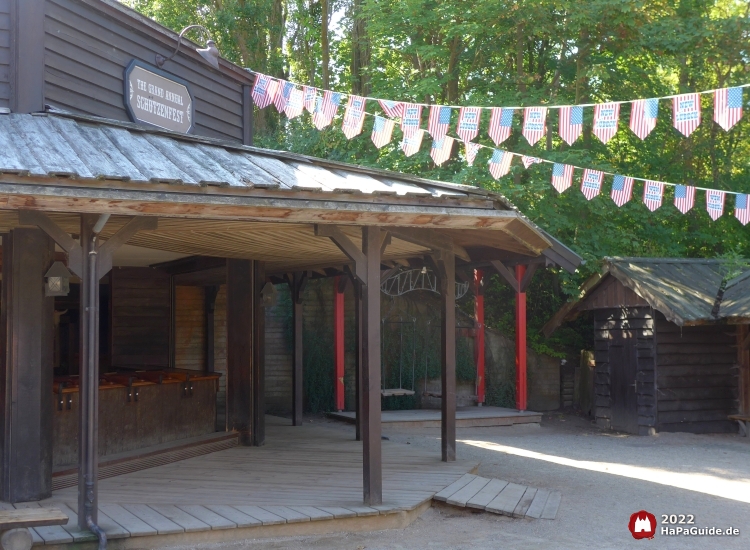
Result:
{"points": [[158, 98]]}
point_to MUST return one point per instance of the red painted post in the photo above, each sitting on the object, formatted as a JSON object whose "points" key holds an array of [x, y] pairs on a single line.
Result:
{"points": [[520, 342], [479, 338], [338, 343]]}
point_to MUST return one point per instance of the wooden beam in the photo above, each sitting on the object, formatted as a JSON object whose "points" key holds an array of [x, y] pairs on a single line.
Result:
{"points": [[297, 284], [529, 273], [247, 115], [61, 237], [507, 274], [746, 342], [386, 243], [358, 360], [239, 348], [210, 303], [447, 265], [338, 342], [346, 246], [429, 239], [259, 356], [108, 248]]}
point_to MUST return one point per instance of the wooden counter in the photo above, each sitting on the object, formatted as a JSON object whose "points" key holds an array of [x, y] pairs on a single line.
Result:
{"points": [[136, 410]]}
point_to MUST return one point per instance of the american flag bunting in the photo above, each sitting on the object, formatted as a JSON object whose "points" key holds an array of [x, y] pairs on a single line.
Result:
{"points": [[742, 208], [295, 104], [326, 109], [686, 113], [468, 123], [528, 161], [382, 131], [439, 120], [411, 119], [562, 176], [441, 149], [622, 190], [715, 203], [570, 123], [411, 143], [534, 123], [728, 107], [392, 109], [472, 149], [606, 117], [500, 163], [264, 90], [311, 97], [282, 95], [354, 116], [591, 183], [653, 191], [643, 115], [684, 197], [501, 124]]}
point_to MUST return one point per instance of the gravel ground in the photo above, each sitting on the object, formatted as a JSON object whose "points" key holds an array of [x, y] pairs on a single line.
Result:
{"points": [[603, 477]]}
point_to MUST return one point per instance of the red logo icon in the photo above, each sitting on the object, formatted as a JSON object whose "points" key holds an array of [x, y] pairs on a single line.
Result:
{"points": [[642, 525]]}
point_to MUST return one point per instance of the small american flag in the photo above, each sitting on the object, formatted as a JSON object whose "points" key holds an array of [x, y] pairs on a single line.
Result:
{"points": [[325, 110], [622, 190], [534, 123], [571, 123], [728, 107], [528, 161], [742, 208], [295, 103], [264, 90], [411, 143], [643, 114], [468, 123], [411, 119], [311, 97], [500, 163], [471, 152], [715, 203], [686, 112], [501, 124], [591, 183], [606, 117], [684, 197], [392, 109], [653, 191], [382, 131], [562, 176], [282, 95], [354, 116], [440, 119], [441, 149]]}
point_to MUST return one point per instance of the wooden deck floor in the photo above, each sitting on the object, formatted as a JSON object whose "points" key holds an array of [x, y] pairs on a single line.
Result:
{"points": [[467, 417], [305, 473]]}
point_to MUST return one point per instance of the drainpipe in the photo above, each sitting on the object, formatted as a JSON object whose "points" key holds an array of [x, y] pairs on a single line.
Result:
{"points": [[93, 387]]}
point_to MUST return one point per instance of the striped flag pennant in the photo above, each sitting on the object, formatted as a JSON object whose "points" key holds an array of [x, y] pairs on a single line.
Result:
{"points": [[264, 90], [441, 149], [728, 107], [742, 208], [684, 197], [411, 119], [715, 203], [439, 120], [354, 116], [311, 96], [653, 191], [472, 149], [562, 176], [606, 117], [392, 109], [501, 124], [571, 123], [326, 109], [686, 112], [528, 161], [500, 163], [591, 183], [622, 189], [411, 143], [282, 95], [295, 103], [534, 123], [468, 123], [643, 114], [382, 131]]}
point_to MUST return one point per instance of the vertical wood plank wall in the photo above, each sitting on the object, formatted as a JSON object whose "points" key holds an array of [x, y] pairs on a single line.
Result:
{"points": [[190, 328], [4, 53], [220, 356]]}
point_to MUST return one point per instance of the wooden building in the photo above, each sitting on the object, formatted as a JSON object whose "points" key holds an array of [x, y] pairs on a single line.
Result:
{"points": [[670, 344], [142, 182]]}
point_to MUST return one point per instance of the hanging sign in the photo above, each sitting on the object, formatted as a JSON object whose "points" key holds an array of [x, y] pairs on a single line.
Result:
{"points": [[158, 98]]}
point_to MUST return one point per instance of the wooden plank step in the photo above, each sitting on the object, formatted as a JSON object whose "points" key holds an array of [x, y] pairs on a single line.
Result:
{"points": [[135, 526], [338, 512], [36, 538], [552, 505], [507, 500], [234, 515], [487, 494], [268, 518], [537, 506], [460, 483], [189, 523], [462, 496], [524, 503], [291, 516], [71, 526], [163, 526], [315, 514], [31, 517], [207, 516]]}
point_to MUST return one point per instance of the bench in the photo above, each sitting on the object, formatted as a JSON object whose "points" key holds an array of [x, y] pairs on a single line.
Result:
{"points": [[15, 524], [744, 421]]}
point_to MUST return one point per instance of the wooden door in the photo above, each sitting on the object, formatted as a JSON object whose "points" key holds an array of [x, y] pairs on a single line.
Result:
{"points": [[623, 369]]}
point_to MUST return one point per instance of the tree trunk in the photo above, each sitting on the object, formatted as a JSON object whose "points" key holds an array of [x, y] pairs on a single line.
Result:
{"points": [[361, 52], [324, 46]]}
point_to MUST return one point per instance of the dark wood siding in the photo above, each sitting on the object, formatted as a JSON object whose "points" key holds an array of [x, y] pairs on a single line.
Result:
{"points": [[612, 294], [696, 377], [87, 51], [4, 53], [190, 328], [141, 308], [635, 325]]}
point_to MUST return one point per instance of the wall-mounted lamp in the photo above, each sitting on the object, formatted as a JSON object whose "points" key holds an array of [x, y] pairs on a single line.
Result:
{"points": [[58, 280], [210, 53]]}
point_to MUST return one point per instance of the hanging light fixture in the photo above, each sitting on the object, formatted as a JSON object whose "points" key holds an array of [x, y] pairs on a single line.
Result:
{"points": [[210, 53], [58, 280]]}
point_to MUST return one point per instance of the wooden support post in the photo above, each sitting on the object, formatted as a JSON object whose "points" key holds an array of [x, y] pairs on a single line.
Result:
{"points": [[370, 423], [447, 270], [358, 360], [259, 356], [210, 292], [520, 342], [338, 342], [743, 360], [298, 324], [479, 338], [26, 326], [240, 290]]}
